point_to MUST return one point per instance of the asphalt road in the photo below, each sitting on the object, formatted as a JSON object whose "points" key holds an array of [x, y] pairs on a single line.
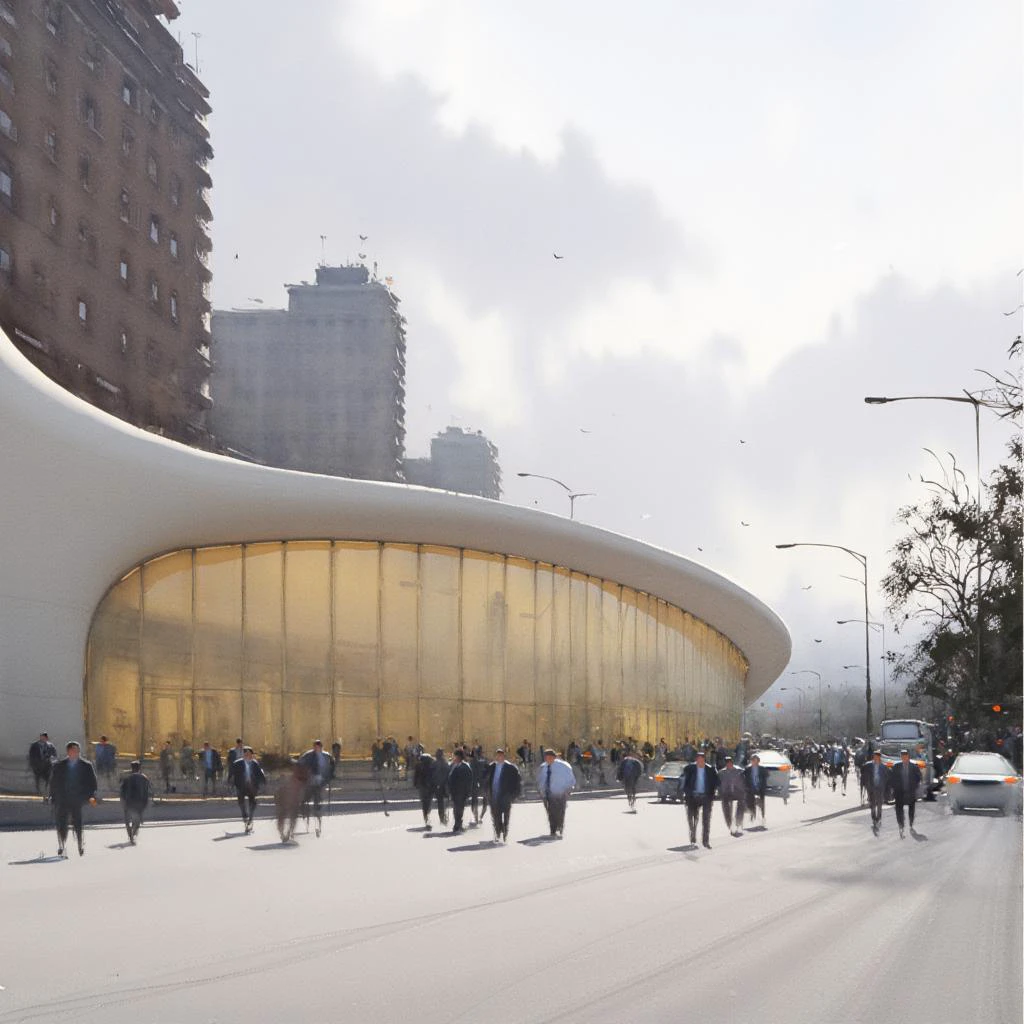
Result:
{"points": [[813, 919]]}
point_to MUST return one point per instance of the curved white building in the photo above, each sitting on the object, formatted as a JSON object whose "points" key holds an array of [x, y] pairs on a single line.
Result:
{"points": [[150, 591]]}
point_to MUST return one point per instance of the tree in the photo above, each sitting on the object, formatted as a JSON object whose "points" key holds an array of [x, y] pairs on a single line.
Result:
{"points": [[933, 576]]}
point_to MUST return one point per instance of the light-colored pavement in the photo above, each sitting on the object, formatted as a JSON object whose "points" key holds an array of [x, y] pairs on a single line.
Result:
{"points": [[814, 919]]}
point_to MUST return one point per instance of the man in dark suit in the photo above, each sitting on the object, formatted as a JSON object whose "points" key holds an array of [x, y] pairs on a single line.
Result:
{"points": [[874, 779], [72, 786], [755, 781], [503, 784], [135, 792], [235, 754], [904, 778], [210, 762], [460, 786], [697, 785], [631, 768], [320, 766], [41, 756], [247, 778]]}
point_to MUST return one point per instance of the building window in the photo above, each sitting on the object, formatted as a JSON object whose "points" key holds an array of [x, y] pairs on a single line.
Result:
{"points": [[6, 14], [154, 291], [54, 216], [151, 169], [174, 306], [90, 113], [125, 205], [50, 143], [123, 269], [85, 171], [174, 190], [173, 243], [87, 242], [91, 56], [5, 262], [6, 185], [129, 92], [5, 48], [123, 341], [7, 126], [6, 81], [83, 312], [155, 112], [51, 79], [127, 140], [154, 229]]}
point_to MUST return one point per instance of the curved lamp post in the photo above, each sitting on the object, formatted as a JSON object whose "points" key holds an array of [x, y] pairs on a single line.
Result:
{"points": [[863, 559], [811, 672], [881, 626], [572, 495]]}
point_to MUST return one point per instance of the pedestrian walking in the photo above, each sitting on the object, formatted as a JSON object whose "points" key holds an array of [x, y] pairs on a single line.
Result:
{"points": [[187, 763], [460, 786], [72, 786], [288, 797], [875, 781], [502, 785], [210, 763], [555, 781], [630, 770], [319, 767], [904, 778], [135, 793], [41, 756], [697, 785], [732, 792], [439, 784], [478, 764], [422, 780], [755, 780], [247, 778], [236, 753], [167, 765]]}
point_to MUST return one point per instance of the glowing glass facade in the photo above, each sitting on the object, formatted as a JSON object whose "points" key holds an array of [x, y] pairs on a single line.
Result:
{"points": [[284, 642]]}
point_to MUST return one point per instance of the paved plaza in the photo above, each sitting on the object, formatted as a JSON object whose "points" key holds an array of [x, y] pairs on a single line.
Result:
{"points": [[812, 919]]}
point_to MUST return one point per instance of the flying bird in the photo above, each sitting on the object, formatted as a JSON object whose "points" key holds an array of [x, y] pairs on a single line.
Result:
{"points": [[236, 255], [743, 523], [817, 641], [363, 238], [808, 587], [699, 548], [742, 441], [557, 257], [583, 430], [1014, 311], [260, 301], [362, 255]]}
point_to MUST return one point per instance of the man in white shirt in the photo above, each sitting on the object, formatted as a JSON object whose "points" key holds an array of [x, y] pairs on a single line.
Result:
{"points": [[555, 781]]}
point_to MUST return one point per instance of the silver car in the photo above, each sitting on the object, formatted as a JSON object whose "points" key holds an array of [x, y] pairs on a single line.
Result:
{"points": [[983, 779], [780, 771], [666, 780]]}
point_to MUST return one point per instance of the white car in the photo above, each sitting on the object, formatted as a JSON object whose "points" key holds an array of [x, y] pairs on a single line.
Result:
{"points": [[779, 769], [983, 779]]}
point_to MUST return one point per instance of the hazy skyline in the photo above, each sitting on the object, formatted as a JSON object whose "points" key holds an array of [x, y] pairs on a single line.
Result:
{"points": [[765, 214]]}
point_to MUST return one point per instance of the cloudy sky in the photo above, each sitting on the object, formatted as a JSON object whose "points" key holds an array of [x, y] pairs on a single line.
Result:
{"points": [[766, 210]]}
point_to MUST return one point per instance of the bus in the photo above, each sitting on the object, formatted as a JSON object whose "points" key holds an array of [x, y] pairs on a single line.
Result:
{"points": [[896, 734]]}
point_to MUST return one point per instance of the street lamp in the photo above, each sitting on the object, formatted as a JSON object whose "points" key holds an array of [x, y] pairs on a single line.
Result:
{"points": [[881, 626], [863, 559], [811, 672], [572, 495], [966, 399]]}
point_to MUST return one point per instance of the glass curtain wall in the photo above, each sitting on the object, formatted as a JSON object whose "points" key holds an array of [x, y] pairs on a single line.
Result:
{"points": [[282, 643]]}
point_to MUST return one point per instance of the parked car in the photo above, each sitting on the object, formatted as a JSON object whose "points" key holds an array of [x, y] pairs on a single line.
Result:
{"points": [[780, 771], [983, 779], [666, 780]]}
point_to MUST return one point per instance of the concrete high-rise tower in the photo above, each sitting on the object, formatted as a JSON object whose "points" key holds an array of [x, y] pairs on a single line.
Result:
{"points": [[319, 386]]}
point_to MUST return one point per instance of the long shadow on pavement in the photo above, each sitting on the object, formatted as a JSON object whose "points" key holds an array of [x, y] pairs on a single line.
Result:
{"points": [[274, 846], [688, 848], [440, 835], [229, 835], [36, 860], [120, 846], [918, 837], [834, 814], [484, 844], [419, 828], [538, 841]]}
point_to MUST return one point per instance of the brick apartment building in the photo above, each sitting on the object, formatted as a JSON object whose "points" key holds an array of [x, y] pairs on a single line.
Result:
{"points": [[104, 212]]}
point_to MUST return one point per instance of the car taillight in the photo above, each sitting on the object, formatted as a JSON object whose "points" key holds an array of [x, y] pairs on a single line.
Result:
{"points": [[1011, 779], [659, 778], [952, 778]]}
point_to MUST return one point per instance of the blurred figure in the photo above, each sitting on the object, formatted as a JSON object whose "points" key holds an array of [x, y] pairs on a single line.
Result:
{"points": [[72, 786], [755, 781], [319, 770], [247, 778], [167, 765], [422, 780], [288, 797], [555, 781], [904, 779], [874, 778], [732, 792], [697, 785], [210, 763], [502, 784], [187, 763], [460, 786], [135, 792], [630, 770], [106, 760], [236, 753], [439, 784], [41, 756]]}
